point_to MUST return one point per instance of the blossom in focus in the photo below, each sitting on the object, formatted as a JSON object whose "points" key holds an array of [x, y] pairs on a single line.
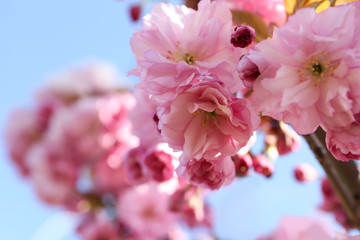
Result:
{"points": [[310, 67], [344, 143], [271, 11], [206, 120], [177, 44]]}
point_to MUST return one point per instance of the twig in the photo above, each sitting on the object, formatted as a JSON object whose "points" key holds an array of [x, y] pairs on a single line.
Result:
{"points": [[343, 176]]}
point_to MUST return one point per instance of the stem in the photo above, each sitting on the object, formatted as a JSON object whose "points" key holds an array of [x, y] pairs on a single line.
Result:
{"points": [[343, 176]]}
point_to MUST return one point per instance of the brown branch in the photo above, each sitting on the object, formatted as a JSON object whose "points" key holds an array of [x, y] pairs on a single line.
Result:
{"points": [[343, 176], [192, 3]]}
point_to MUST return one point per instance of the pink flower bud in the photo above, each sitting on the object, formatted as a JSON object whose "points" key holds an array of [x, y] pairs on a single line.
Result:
{"points": [[135, 12], [242, 36], [248, 71], [242, 164], [263, 165], [305, 172]]}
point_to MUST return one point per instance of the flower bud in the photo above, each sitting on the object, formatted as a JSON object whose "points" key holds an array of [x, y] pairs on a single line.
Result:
{"points": [[263, 165], [135, 12], [242, 36], [305, 172]]}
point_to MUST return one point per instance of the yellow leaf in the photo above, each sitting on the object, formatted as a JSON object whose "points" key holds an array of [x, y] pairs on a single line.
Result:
{"points": [[324, 5], [240, 17], [290, 6]]}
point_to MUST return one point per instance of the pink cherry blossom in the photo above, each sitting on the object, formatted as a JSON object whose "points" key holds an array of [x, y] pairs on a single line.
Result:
{"points": [[208, 173], [271, 11], [23, 130], [158, 163], [92, 79], [310, 67], [178, 43], [145, 210], [109, 173], [206, 120], [141, 117], [98, 227], [54, 175], [96, 123], [134, 169], [301, 228], [344, 144]]}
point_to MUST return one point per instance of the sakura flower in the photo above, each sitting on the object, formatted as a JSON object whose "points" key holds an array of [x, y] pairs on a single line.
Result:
{"points": [[158, 163], [54, 175], [178, 43], [109, 173], [206, 120], [301, 228], [99, 227], [208, 173], [310, 67], [97, 123], [141, 117], [134, 169], [88, 80], [344, 143], [145, 210], [23, 130]]}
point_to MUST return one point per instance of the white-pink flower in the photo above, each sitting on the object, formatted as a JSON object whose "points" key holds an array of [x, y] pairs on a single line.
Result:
{"points": [[310, 66], [206, 120], [178, 43]]}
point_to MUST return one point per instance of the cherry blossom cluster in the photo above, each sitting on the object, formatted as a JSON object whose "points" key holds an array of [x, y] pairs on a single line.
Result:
{"points": [[78, 149], [187, 64], [308, 73]]}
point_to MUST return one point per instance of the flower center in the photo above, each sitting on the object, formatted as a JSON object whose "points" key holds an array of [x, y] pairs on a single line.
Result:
{"points": [[209, 118], [318, 68], [189, 58], [178, 55]]}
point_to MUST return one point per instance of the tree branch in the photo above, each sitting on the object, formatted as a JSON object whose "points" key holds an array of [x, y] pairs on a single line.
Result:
{"points": [[343, 176]]}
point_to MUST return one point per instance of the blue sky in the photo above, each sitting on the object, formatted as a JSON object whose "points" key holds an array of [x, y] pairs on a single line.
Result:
{"points": [[41, 37]]}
